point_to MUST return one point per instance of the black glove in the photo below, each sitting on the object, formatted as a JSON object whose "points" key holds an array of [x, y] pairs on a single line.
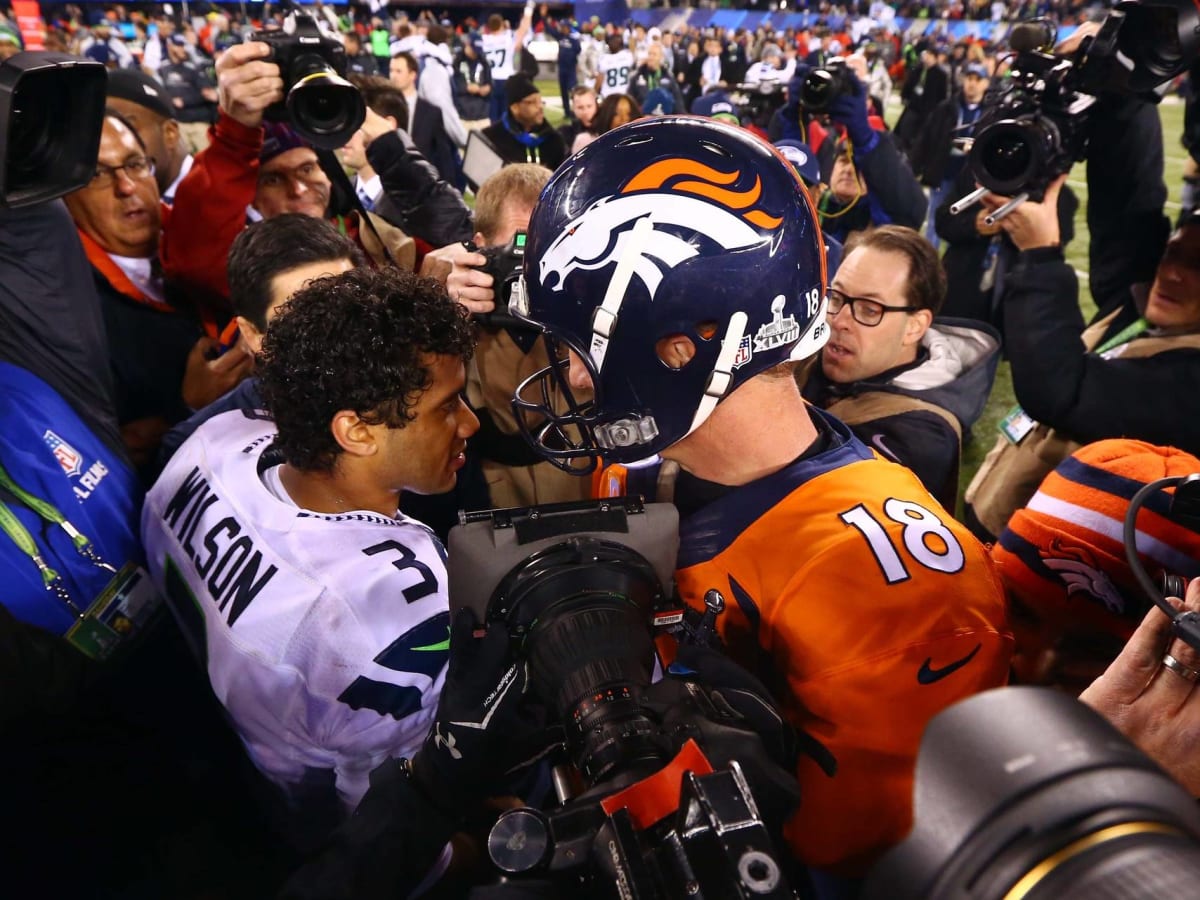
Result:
{"points": [[749, 698], [478, 727], [850, 110]]}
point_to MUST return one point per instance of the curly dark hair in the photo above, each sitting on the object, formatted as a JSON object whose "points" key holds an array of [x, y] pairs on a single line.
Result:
{"points": [[354, 341]]}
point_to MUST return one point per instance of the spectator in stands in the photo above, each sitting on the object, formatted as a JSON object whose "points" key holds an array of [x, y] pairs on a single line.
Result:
{"points": [[472, 85], [193, 95], [426, 124], [906, 384], [616, 111], [435, 84], [523, 134], [579, 131], [359, 60], [654, 75], [145, 104], [162, 362], [710, 76], [1123, 381], [105, 47]]}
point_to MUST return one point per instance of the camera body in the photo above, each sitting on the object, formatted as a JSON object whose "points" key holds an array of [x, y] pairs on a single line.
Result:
{"points": [[758, 102], [823, 85], [505, 263], [324, 108]]}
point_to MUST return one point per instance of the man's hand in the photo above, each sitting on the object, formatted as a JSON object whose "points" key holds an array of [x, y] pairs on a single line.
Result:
{"points": [[1031, 225], [373, 126], [1069, 45], [480, 730], [207, 378], [247, 83], [850, 109], [982, 227], [1156, 708], [453, 265]]}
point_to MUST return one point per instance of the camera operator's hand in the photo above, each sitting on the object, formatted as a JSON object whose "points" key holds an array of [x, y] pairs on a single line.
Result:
{"points": [[373, 126], [1155, 707], [1069, 45], [477, 733], [850, 109], [1031, 225], [247, 83], [454, 265]]}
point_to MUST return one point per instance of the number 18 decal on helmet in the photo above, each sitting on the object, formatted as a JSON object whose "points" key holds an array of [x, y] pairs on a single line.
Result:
{"points": [[670, 231]]}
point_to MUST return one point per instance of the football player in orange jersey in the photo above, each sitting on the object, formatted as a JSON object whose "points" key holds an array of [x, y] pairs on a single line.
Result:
{"points": [[677, 273]]}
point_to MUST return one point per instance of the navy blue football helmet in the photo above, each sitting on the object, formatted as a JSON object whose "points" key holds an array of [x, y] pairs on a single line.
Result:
{"points": [[673, 225]]}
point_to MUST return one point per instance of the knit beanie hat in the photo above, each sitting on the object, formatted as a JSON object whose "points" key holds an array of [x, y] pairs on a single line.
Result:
{"points": [[278, 138], [517, 88], [1063, 556]]}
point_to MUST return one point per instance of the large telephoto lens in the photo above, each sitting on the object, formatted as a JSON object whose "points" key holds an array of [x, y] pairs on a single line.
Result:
{"points": [[1027, 794], [325, 109], [583, 610], [1012, 155]]}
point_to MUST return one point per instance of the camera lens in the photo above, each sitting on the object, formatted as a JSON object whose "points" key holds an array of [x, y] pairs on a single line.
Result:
{"points": [[325, 108], [1010, 156], [818, 89]]}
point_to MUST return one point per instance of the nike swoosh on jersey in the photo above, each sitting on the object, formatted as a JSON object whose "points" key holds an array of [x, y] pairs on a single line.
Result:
{"points": [[928, 675], [439, 647], [877, 442]]}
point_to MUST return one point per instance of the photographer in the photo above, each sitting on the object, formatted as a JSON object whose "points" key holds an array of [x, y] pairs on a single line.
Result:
{"points": [[1144, 343], [869, 181], [245, 168], [516, 476]]}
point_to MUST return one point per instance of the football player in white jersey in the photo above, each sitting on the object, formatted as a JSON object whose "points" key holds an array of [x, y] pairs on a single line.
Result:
{"points": [[616, 67], [500, 45], [319, 610]]}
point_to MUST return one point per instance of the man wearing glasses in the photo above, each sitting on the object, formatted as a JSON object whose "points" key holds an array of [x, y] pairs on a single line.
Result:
{"points": [[162, 362], [905, 386]]}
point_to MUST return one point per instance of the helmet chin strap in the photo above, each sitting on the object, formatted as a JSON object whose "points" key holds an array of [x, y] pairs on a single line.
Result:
{"points": [[721, 379], [604, 319]]}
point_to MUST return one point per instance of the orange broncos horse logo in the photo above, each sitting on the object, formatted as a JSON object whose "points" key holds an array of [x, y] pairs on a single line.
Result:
{"points": [[680, 193]]}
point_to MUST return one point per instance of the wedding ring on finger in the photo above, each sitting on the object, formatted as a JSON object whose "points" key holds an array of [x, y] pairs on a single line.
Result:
{"points": [[1184, 672]]}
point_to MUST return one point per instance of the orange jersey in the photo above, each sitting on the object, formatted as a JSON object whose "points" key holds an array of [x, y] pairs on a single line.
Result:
{"points": [[867, 609]]}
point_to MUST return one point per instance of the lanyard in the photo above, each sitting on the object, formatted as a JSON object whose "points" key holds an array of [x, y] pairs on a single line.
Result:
{"points": [[1126, 334], [20, 536]]}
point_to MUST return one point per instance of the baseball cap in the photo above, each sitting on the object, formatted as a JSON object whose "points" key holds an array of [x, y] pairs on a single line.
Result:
{"points": [[803, 160], [598, 31], [979, 70], [144, 90], [278, 138], [178, 40]]}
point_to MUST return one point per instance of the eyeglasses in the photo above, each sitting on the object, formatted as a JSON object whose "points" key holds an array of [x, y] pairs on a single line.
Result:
{"points": [[306, 173], [865, 312], [137, 168]]}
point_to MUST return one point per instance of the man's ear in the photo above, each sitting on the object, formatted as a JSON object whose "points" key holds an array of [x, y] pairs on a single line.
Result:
{"points": [[171, 134], [353, 435], [916, 326], [676, 350], [250, 334]]}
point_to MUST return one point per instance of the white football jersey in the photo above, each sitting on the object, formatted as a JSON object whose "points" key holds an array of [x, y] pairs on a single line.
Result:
{"points": [[325, 636], [615, 70], [498, 51]]}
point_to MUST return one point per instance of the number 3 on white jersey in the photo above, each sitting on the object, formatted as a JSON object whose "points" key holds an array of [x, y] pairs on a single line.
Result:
{"points": [[943, 554]]}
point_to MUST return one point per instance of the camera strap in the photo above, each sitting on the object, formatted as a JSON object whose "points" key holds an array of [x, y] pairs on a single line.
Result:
{"points": [[337, 175]]}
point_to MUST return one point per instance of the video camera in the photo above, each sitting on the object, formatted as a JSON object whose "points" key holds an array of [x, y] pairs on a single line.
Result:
{"points": [[51, 117], [1033, 126], [757, 102], [662, 789], [323, 107]]}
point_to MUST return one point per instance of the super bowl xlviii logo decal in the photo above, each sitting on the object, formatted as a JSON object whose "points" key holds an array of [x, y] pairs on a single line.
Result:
{"points": [[780, 331], [68, 457], [679, 194]]}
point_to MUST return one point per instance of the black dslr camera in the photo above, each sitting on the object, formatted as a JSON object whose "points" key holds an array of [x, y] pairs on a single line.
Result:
{"points": [[1033, 127], [758, 102], [505, 264], [823, 85], [323, 107]]}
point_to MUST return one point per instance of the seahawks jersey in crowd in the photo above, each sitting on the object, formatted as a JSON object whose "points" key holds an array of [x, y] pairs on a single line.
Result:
{"points": [[615, 70], [325, 637]]}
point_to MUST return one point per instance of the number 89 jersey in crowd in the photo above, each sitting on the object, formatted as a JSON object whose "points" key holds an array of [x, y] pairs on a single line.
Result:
{"points": [[867, 608], [325, 637]]}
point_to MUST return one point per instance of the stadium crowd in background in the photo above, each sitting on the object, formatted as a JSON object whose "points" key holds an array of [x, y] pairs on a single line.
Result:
{"points": [[256, 433]]}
